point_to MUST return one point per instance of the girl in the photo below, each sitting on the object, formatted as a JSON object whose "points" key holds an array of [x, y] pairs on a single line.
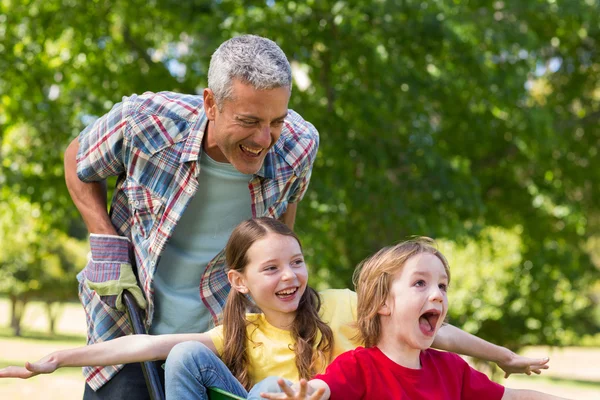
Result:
{"points": [[402, 303], [293, 336]]}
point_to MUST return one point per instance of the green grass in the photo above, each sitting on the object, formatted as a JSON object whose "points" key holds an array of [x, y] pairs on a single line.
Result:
{"points": [[35, 342]]}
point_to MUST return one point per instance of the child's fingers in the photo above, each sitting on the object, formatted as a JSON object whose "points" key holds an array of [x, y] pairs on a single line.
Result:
{"points": [[303, 386], [15, 372], [317, 395], [286, 389], [271, 396], [36, 368]]}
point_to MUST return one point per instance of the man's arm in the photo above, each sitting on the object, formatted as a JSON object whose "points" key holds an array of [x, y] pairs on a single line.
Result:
{"points": [[89, 198], [289, 216], [450, 338], [109, 270]]}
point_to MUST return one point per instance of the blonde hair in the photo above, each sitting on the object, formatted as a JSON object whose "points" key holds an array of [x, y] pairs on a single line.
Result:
{"points": [[373, 278], [313, 338]]}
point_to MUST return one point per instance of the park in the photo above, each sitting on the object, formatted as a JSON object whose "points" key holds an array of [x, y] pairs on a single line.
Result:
{"points": [[475, 123]]}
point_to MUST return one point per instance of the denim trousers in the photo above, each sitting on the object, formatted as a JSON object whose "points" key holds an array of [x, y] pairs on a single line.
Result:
{"points": [[267, 385], [192, 367]]}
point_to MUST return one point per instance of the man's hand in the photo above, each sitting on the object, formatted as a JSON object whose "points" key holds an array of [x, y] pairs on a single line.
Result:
{"points": [[109, 271], [290, 394], [46, 365], [516, 364]]}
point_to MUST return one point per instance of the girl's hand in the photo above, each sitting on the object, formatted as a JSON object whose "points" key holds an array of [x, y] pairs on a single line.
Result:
{"points": [[290, 394], [517, 364], [46, 365]]}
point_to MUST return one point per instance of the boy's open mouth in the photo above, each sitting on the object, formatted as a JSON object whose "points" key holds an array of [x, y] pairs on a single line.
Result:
{"points": [[428, 322]]}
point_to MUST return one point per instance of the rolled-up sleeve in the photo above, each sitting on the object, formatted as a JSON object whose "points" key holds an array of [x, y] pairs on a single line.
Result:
{"points": [[311, 148], [101, 145]]}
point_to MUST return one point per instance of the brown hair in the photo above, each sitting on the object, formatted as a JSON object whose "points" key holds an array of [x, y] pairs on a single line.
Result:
{"points": [[373, 278], [313, 338]]}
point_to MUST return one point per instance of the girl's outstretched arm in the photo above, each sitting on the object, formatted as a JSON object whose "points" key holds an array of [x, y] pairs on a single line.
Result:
{"points": [[123, 350], [455, 340], [519, 394]]}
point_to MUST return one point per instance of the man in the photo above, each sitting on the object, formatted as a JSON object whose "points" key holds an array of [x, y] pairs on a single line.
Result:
{"points": [[189, 169]]}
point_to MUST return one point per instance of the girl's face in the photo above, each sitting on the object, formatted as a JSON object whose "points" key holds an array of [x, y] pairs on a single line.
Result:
{"points": [[275, 277], [417, 303]]}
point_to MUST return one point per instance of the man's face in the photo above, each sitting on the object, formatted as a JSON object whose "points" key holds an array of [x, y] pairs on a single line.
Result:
{"points": [[247, 125]]}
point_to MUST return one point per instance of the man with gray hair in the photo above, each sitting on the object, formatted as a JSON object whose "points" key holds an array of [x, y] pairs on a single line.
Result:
{"points": [[189, 169]]}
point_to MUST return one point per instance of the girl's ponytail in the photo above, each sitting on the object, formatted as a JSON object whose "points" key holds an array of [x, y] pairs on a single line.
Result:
{"points": [[234, 355], [313, 337]]}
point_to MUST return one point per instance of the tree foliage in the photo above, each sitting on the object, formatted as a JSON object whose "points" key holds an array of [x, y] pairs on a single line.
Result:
{"points": [[36, 261], [473, 121]]}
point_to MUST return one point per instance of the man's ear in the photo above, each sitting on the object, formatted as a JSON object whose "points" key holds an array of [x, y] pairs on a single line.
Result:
{"points": [[210, 104], [237, 281], [384, 309]]}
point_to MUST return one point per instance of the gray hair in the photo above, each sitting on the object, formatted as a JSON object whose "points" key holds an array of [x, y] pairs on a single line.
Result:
{"points": [[252, 59]]}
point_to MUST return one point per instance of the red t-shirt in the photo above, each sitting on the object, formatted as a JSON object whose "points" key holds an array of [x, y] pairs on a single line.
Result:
{"points": [[370, 374]]}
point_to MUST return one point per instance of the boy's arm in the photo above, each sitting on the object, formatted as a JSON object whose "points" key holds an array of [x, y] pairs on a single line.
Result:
{"points": [[450, 338], [518, 394], [123, 350], [315, 389]]}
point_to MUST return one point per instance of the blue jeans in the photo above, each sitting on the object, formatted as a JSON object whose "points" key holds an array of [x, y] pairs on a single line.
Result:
{"points": [[267, 385], [191, 368]]}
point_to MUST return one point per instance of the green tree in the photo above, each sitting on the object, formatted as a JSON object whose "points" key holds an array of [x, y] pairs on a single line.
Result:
{"points": [[454, 119]]}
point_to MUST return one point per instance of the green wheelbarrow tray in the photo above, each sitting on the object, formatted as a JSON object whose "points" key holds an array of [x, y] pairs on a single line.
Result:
{"points": [[220, 394]]}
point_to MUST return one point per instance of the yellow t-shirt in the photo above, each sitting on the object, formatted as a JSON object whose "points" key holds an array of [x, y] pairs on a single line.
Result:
{"points": [[270, 347]]}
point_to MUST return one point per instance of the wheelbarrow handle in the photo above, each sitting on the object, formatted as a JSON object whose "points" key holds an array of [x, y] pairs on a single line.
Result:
{"points": [[155, 387]]}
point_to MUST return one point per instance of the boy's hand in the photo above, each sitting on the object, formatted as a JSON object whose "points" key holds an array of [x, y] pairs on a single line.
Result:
{"points": [[46, 365], [517, 364], [290, 394]]}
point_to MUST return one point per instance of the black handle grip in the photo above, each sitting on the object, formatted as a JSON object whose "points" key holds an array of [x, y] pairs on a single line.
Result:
{"points": [[149, 368]]}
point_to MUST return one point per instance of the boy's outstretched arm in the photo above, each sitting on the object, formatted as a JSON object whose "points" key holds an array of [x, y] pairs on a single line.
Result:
{"points": [[123, 350], [316, 389], [450, 338], [520, 394]]}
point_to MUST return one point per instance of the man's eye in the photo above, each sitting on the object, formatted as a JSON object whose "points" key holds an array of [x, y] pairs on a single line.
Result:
{"points": [[276, 124], [247, 122]]}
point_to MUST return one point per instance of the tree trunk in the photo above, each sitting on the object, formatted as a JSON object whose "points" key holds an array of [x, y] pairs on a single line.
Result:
{"points": [[17, 311], [53, 311]]}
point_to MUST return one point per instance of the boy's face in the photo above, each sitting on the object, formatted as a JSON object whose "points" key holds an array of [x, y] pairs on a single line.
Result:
{"points": [[417, 303]]}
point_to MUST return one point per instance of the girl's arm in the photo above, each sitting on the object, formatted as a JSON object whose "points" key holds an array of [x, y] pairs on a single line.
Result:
{"points": [[450, 338], [518, 394], [123, 350]]}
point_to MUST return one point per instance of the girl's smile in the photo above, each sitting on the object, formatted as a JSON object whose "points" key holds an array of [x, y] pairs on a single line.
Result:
{"points": [[275, 276]]}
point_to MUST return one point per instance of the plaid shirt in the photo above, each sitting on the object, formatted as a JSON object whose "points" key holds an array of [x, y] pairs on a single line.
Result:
{"points": [[152, 143]]}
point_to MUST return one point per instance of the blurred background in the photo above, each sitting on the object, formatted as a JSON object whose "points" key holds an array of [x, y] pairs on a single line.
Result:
{"points": [[475, 122]]}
